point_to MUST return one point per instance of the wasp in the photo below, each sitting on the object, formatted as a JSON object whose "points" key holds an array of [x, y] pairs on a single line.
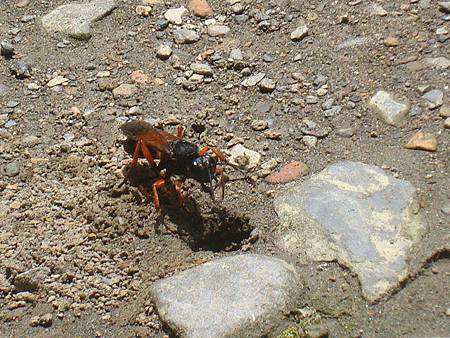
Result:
{"points": [[180, 159]]}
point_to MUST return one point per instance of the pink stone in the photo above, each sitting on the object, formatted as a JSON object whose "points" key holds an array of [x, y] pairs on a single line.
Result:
{"points": [[200, 8], [288, 173]]}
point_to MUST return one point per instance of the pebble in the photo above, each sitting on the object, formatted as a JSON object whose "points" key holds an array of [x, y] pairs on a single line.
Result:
{"points": [[33, 86], [143, 10], [12, 104], [3, 90], [444, 6], [259, 125], [236, 54], [253, 80], [12, 169], [124, 90], [139, 77], [57, 81], [267, 85], [32, 279], [185, 36], [264, 107], [237, 8], [434, 98], [333, 111], [440, 62], [161, 24], [44, 320], [422, 141], [202, 69], [328, 104], [391, 110], [299, 33], [317, 331], [288, 173], [218, 30], [75, 19], [164, 52], [175, 15], [447, 123], [200, 8], [310, 141], [446, 209], [378, 10], [444, 111], [243, 157], [20, 69], [6, 50], [345, 132], [391, 41]]}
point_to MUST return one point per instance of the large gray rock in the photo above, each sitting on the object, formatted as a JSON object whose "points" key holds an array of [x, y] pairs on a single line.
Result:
{"points": [[237, 296], [358, 215], [75, 19]]}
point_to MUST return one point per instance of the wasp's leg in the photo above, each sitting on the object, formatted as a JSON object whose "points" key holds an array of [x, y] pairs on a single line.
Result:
{"points": [[178, 186], [157, 185]]}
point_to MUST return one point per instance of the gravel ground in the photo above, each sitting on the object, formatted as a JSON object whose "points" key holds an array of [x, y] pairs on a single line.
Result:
{"points": [[83, 248]]}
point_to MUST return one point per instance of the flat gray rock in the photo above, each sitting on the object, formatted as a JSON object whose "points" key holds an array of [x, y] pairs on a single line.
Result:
{"points": [[75, 19], [358, 215], [237, 296]]}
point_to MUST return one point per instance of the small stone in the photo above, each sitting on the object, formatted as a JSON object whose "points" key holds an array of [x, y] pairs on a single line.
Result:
{"points": [[20, 69], [241, 156], [440, 62], [391, 110], [175, 15], [161, 24], [12, 104], [328, 104], [310, 141], [218, 30], [44, 321], [422, 141], [185, 36], [139, 77], [143, 10], [444, 6], [12, 169], [391, 41], [434, 98], [447, 312], [75, 19], [236, 54], [23, 3], [444, 111], [3, 90], [31, 280], [253, 80], [378, 10], [300, 33], [289, 173], [345, 132], [447, 123], [57, 81], [237, 8], [333, 111], [259, 125], [6, 50], [317, 331], [164, 52], [267, 85], [200, 8], [202, 69], [264, 107], [125, 90]]}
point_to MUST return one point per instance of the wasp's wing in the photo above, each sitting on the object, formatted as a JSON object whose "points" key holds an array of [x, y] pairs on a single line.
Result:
{"points": [[154, 138]]}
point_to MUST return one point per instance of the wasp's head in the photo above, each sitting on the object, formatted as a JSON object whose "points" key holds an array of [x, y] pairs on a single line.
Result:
{"points": [[203, 170]]}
